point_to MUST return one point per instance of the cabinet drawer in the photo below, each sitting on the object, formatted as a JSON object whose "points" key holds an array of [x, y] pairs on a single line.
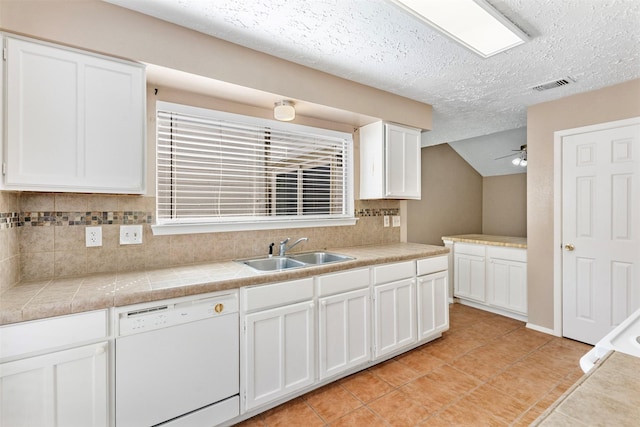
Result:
{"points": [[57, 332], [391, 272], [469, 249], [343, 281], [432, 265], [266, 296], [510, 254]]}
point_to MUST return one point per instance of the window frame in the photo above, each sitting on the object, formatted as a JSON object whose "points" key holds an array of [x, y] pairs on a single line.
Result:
{"points": [[187, 226]]}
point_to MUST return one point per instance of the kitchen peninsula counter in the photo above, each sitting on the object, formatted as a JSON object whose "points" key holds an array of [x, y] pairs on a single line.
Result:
{"points": [[488, 239], [609, 395], [56, 297]]}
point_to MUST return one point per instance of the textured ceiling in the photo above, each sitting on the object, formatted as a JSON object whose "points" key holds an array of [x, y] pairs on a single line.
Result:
{"points": [[374, 42]]}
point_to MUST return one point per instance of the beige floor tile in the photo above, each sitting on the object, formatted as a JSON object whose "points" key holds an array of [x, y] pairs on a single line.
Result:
{"points": [[430, 394], [394, 373], [453, 379], [484, 362], [526, 382], [366, 386], [361, 417], [500, 406], [462, 414], [398, 410], [293, 413], [332, 402], [420, 361]]}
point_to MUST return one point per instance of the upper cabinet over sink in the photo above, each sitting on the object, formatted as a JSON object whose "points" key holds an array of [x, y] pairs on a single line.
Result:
{"points": [[389, 162], [75, 121]]}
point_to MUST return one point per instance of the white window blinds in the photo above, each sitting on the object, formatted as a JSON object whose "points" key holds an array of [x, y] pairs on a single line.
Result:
{"points": [[215, 167]]}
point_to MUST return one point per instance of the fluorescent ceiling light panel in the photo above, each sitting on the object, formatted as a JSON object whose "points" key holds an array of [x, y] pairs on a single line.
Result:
{"points": [[473, 23]]}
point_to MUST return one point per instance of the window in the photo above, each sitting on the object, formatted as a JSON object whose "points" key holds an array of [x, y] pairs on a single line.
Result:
{"points": [[225, 171]]}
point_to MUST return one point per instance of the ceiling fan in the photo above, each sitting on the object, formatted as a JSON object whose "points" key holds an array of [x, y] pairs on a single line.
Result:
{"points": [[521, 159]]}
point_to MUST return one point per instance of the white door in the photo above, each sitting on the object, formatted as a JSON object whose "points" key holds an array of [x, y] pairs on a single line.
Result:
{"points": [[279, 356], [343, 326], [395, 320], [432, 303], [600, 230], [66, 388]]}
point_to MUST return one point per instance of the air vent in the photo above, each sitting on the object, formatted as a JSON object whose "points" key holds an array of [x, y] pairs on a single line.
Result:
{"points": [[553, 84]]}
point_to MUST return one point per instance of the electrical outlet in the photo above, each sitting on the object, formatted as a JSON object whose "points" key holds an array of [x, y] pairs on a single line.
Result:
{"points": [[396, 220], [131, 234], [386, 220], [93, 236]]}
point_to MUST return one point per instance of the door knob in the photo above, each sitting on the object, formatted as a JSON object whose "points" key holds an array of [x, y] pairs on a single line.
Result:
{"points": [[569, 247]]}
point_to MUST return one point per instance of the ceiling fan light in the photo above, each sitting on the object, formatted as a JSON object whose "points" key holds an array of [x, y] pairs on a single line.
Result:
{"points": [[516, 161], [523, 162], [284, 111]]}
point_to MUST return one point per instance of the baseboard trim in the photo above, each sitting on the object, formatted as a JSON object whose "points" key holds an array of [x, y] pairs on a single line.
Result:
{"points": [[542, 329]]}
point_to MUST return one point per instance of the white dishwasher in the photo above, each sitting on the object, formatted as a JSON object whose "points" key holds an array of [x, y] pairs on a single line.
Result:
{"points": [[177, 362]]}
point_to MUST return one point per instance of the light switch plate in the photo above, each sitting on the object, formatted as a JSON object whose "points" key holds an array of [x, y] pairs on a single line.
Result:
{"points": [[131, 234], [396, 220], [386, 220], [93, 236]]}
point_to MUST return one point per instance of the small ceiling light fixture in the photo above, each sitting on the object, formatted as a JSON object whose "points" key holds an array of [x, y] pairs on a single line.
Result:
{"points": [[473, 23], [521, 160], [284, 111]]}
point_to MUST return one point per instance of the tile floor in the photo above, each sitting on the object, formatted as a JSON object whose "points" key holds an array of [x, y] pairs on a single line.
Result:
{"points": [[487, 370]]}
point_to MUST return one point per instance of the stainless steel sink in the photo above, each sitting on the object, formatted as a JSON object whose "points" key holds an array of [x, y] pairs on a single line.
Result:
{"points": [[279, 263], [272, 264], [319, 257]]}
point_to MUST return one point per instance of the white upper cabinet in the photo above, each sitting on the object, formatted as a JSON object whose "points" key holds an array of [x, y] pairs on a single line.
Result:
{"points": [[389, 162], [74, 121]]}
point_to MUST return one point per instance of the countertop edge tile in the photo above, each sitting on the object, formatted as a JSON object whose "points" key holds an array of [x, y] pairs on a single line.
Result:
{"points": [[134, 287], [491, 240]]}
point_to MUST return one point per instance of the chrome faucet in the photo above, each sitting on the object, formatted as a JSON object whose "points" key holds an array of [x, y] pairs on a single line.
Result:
{"points": [[283, 245]]}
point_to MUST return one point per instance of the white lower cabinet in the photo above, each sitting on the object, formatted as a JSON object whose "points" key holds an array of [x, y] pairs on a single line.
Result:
{"points": [[43, 382], [279, 350], [507, 279], [492, 278], [469, 264], [433, 304], [395, 316], [363, 316], [343, 327]]}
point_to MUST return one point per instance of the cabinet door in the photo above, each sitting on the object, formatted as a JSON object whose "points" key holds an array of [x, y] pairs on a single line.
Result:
{"points": [[66, 388], [433, 305], [508, 284], [279, 352], [395, 319], [469, 277], [402, 162], [343, 327], [75, 122]]}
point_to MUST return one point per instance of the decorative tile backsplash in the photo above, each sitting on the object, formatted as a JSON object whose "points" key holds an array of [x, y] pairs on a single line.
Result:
{"points": [[36, 219], [42, 236], [84, 218], [377, 212], [9, 220]]}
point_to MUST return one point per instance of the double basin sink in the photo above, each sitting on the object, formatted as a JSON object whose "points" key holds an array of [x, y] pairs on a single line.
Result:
{"points": [[279, 263]]}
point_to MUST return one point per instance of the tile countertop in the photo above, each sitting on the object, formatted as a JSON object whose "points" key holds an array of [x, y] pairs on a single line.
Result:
{"points": [[56, 297], [487, 239], [609, 395]]}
